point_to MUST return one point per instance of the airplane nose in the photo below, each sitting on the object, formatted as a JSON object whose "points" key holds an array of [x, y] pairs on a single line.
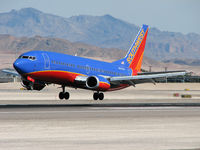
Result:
{"points": [[18, 65]]}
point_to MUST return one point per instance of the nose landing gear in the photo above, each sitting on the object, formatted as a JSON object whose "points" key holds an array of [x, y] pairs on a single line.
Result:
{"points": [[98, 95], [63, 94]]}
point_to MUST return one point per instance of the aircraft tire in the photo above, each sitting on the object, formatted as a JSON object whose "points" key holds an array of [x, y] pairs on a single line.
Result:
{"points": [[95, 96], [66, 95], [61, 95], [101, 96]]}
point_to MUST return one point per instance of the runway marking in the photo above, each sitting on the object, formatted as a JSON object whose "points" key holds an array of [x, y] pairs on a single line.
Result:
{"points": [[63, 111], [147, 108], [42, 112], [104, 110]]}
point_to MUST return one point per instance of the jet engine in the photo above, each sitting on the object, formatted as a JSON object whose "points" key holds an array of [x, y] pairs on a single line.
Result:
{"points": [[97, 83]]}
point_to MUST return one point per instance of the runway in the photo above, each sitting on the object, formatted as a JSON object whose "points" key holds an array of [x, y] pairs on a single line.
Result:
{"points": [[85, 104], [144, 118], [152, 128]]}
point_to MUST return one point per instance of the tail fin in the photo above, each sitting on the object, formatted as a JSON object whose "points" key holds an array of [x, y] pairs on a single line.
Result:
{"points": [[134, 57]]}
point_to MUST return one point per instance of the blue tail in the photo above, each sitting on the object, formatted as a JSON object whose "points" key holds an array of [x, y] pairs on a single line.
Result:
{"points": [[133, 58]]}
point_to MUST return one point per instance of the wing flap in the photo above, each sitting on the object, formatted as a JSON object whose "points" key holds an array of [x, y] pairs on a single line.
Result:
{"points": [[144, 78]]}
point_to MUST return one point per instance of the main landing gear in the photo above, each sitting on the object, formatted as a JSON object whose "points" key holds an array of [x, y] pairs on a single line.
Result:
{"points": [[66, 95], [98, 95], [63, 94]]}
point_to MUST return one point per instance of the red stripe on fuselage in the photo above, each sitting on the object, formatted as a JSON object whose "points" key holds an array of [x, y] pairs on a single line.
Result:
{"points": [[103, 86], [121, 86], [64, 77], [53, 76]]}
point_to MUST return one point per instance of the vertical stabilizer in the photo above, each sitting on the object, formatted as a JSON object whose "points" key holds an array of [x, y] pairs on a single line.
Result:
{"points": [[134, 57]]}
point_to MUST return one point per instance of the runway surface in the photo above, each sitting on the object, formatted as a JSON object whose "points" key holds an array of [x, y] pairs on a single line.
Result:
{"points": [[151, 128], [147, 117], [85, 104]]}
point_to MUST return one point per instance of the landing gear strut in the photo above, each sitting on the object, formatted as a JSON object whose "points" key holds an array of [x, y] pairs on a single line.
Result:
{"points": [[64, 94], [98, 95]]}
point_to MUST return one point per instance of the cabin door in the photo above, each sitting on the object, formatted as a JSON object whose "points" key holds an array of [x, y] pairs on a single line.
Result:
{"points": [[46, 61]]}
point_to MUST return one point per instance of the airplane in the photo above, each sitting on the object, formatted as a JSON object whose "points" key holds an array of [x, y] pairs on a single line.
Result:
{"points": [[39, 68]]}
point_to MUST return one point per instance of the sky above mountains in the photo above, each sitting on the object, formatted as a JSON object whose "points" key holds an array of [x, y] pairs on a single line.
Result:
{"points": [[167, 15]]}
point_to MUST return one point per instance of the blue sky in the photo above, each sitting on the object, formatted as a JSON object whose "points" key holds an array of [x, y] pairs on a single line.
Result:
{"points": [[167, 15]]}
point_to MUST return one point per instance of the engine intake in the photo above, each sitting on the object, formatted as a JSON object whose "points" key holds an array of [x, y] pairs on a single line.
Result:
{"points": [[92, 82], [97, 83]]}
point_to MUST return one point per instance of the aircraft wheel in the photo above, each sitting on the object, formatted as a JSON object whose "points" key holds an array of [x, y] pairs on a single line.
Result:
{"points": [[66, 95], [95, 96], [61, 95], [101, 96]]}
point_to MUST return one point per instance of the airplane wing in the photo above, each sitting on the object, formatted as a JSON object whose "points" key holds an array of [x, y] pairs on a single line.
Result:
{"points": [[144, 77], [11, 72]]}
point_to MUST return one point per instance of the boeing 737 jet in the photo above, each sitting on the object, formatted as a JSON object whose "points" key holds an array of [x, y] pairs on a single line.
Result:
{"points": [[39, 68]]}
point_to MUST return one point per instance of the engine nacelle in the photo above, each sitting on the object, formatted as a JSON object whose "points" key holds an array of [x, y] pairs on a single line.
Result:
{"points": [[97, 83]]}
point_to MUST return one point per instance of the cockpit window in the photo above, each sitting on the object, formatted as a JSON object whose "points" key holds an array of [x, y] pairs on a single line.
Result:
{"points": [[27, 57], [31, 57]]}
